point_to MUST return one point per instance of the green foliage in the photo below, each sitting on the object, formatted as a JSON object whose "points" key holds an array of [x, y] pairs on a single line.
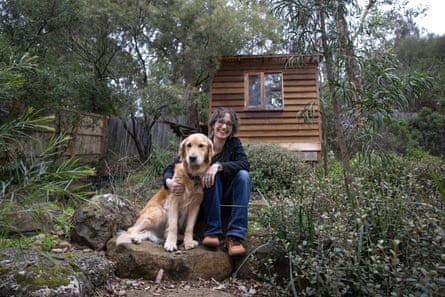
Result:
{"points": [[428, 128], [385, 87], [19, 242], [13, 71], [22, 127], [380, 236], [396, 136], [33, 170], [34, 173], [267, 177], [425, 55], [133, 179], [37, 25], [63, 84]]}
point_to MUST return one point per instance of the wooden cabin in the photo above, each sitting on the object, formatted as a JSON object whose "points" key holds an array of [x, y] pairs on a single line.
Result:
{"points": [[276, 98]]}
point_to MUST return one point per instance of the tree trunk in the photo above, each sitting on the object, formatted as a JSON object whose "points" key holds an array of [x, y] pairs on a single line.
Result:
{"points": [[335, 104]]}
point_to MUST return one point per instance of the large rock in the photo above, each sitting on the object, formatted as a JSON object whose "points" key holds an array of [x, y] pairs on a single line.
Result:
{"points": [[99, 219], [35, 217], [147, 259], [27, 273]]}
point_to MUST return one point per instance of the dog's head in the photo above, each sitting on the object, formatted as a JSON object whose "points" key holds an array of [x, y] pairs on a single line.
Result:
{"points": [[196, 152]]}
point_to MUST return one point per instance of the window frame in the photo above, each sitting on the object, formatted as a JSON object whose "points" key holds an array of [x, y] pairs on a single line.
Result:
{"points": [[262, 105]]}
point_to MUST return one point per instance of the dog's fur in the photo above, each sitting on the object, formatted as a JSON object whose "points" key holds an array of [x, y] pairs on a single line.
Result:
{"points": [[166, 214]]}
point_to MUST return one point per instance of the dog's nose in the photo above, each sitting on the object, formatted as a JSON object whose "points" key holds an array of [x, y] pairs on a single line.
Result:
{"points": [[192, 159]]}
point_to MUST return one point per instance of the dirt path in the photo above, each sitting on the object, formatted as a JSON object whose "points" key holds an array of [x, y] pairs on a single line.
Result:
{"points": [[195, 288]]}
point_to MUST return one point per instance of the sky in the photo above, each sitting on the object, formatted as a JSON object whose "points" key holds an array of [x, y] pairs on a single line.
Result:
{"points": [[434, 21]]}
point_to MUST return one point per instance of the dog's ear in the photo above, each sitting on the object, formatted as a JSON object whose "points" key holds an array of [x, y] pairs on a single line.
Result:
{"points": [[182, 151], [209, 150]]}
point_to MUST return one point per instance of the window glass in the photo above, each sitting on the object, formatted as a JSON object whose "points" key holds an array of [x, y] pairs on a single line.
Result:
{"points": [[272, 91], [254, 91], [264, 91]]}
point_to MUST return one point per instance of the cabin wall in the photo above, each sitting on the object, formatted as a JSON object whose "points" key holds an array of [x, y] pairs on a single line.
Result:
{"points": [[297, 126]]}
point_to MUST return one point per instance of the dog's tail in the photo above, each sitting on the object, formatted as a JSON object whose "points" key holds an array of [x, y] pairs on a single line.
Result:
{"points": [[153, 237], [125, 237]]}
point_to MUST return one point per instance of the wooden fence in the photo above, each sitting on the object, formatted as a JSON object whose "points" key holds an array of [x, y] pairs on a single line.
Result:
{"points": [[88, 137], [120, 144], [93, 136]]}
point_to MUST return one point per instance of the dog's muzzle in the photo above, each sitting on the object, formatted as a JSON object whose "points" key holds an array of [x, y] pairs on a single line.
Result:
{"points": [[193, 159]]}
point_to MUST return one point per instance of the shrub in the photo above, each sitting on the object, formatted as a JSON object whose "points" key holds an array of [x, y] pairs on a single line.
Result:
{"points": [[428, 128], [28, 177], [274, 169], [395, 136], [381, 236]]}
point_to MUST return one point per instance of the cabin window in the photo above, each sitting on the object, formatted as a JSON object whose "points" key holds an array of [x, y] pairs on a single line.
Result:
{"points": [[264, 90]]}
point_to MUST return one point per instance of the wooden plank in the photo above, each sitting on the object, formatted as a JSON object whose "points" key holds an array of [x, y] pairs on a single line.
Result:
{"points": [[295, 76], [228, 84], [258, 65], [280, 139], [251, 67], [227, 78], [289, 112], [237, 73], [271, 121], [288, 96], [263, 115], [301, 101], [278, 133], [312, 59], [228, 103], [297, 83], [301, 89], [224, 82], [239, 90], [218, 97], [295, 108], [305, 146], [278, 127], [315, 124], [302, 107], [304, 101]]}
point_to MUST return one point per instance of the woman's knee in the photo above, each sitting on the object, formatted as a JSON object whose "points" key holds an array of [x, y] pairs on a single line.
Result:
{"points": [[243, 175], [243, 180]]}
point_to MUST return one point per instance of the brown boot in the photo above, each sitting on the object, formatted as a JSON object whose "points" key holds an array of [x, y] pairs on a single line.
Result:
{"points": [[234, 246], [211, 241]]}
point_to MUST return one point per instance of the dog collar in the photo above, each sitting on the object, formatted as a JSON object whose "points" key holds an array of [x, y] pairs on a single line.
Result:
{"points": [[196, 180]]}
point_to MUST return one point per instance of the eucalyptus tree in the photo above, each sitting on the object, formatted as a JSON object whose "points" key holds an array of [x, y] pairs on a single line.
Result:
{"points": [[360, 74], [73, 61], [187, 38], [176, 46]]}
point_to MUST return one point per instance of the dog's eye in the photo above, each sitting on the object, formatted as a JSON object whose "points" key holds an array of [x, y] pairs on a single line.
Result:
{"points": [[201, 145], [189, 144]]}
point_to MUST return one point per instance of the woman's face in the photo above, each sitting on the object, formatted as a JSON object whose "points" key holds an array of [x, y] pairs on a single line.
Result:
{"points": [[223, 127]]}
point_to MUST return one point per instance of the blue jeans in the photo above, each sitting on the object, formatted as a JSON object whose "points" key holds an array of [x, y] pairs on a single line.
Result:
{"points": [[233, 199]]}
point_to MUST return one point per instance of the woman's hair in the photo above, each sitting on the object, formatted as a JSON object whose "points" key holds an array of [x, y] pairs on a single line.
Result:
{"points": [[220, 113]]}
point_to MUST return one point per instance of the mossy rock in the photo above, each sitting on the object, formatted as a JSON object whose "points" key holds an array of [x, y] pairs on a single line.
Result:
{"points": [[20, 219], [35, 273]]}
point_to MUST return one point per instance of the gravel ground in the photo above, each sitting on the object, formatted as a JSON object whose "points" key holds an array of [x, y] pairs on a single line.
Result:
{"points": [[196, 288]]}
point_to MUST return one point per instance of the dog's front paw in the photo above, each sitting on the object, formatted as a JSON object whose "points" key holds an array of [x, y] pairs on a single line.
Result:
{"points": [[188, 245], [170, 246], [136, 240]]}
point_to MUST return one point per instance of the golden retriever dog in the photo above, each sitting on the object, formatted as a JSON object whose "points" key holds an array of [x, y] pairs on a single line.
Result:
{"points": [[166, 214]]}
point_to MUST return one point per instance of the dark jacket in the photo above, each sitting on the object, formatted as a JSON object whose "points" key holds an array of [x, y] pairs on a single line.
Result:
{"points": [[232, 158]]}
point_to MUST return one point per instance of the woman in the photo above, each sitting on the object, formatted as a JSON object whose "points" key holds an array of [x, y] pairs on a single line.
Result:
{"points": [[226, 184]]}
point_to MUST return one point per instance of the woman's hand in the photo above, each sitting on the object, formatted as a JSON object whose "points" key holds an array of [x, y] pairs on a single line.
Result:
{"points": [[208, 178], [175, 185]]}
